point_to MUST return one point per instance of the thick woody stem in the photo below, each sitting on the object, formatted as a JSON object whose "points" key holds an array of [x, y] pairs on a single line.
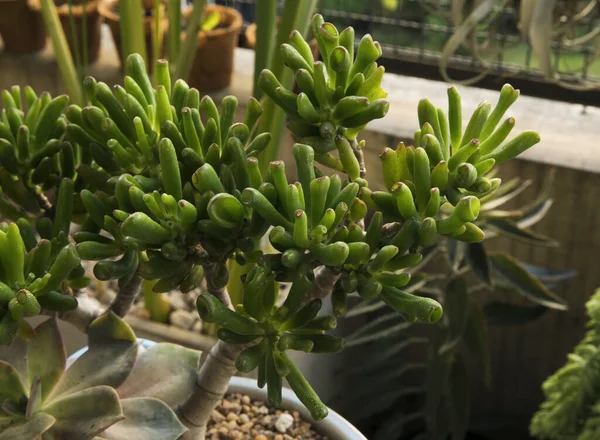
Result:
{"points": [[126, 296], [213, 376], [219, 292], [325, 279], [213, 381], [88, 309], [391, 228]]}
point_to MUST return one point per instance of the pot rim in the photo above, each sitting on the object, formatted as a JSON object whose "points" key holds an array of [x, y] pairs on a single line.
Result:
{"points": [[234, 26], [90, 7], [106, 10]]}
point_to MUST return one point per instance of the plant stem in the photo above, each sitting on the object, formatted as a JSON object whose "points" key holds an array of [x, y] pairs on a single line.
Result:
{"points": [[88, 309], [132, 28], [213, 380], [126, 296], [63, 55], [75, 39], [186, 57], [266, 25], [84, 38], [174, 30], [124, 14], [157, 33], [325, 280], [296, 15], [213, 375]]}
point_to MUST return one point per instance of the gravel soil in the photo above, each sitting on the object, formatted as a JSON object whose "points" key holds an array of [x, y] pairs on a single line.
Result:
{"points": [[238, 417]]}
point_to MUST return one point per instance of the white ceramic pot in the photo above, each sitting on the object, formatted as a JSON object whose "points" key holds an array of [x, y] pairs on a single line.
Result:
{"points": [[334, 426]]}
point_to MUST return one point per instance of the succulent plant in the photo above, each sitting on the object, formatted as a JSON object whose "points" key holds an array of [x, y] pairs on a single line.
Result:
{"points": [[167, 187], [112, 391]]}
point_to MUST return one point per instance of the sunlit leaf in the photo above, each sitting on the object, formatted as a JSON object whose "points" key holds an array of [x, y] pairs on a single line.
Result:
{"points": [[534, 214], [546, 275], [506, 192], [517, 276], [512, 230], [374, 330]]}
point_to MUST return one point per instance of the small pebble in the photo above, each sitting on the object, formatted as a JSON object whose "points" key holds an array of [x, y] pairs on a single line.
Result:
{"points": [[284, 422]]}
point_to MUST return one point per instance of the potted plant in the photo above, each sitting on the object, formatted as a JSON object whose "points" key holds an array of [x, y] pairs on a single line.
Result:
{"points": [[109, 10], [217, 41], [16, 15], [81, 23], [158, 193], [572, 402], [250, 40]]}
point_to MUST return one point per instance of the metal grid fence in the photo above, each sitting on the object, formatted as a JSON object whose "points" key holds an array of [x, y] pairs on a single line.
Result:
{"points": [[413, 34]]}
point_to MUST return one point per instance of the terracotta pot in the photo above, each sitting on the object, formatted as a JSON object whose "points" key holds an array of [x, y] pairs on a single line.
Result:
{"points": [[250, 37], [109, 9], [213, 64], [93, 21], [21, 28]]}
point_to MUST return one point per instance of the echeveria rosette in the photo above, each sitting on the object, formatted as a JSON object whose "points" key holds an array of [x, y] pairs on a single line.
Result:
{"points": [[33, 275], [109, 391], [338, 96]]}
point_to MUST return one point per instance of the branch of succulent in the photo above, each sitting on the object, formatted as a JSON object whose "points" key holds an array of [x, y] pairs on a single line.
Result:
{"points": [[126, 296], [166, 194]]}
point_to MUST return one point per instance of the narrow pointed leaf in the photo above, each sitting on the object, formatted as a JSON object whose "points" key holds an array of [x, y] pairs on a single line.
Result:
{"points": [[501, 313], [517, 276], [479, 262]]}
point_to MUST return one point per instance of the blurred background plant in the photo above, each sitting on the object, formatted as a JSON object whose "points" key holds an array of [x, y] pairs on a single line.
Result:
{"points": [[572, 405]]}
